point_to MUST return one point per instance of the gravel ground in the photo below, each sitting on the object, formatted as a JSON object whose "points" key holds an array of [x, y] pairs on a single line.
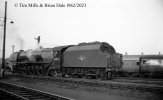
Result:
{"points": [[86, 92]]}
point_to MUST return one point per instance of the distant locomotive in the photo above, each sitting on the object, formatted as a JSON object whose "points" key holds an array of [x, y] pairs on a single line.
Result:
{"points": [[151, 66], [97, 59], [142, 66]]}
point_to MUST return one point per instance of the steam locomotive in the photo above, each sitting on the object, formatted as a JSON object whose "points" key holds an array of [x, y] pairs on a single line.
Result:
{"points": [[96, 59]]}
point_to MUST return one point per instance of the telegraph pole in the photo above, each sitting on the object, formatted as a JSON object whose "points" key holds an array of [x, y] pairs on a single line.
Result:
{"points": [[4, 41]]}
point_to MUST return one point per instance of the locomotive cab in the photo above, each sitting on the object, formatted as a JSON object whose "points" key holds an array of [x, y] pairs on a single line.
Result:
{"points": [[56, 68]]}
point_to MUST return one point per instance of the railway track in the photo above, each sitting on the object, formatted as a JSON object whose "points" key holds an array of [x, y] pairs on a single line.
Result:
{"points": [[115, 84], [17, 92]]}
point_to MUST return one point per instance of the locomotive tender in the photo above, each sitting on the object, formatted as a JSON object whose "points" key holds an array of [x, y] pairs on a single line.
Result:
{"points": [[97, 59]]}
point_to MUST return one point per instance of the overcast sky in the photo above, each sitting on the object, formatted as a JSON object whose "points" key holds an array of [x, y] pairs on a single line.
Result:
{"points": [[132, 26]]}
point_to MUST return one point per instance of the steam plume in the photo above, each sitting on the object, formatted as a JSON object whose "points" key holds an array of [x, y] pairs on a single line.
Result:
{"points": [[13, 34]]}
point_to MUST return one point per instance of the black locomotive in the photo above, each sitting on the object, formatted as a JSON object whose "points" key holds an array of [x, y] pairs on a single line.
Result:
{"points": [[97, 59]]}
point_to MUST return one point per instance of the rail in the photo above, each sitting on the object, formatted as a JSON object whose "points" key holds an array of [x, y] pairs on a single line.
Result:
{"points": [[24, 93]]}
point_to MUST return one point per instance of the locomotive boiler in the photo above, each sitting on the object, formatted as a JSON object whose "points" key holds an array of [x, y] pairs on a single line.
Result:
{"points": [[34, 62], [97, 59]]}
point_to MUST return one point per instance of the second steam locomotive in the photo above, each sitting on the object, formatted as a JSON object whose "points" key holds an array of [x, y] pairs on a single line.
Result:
{"points": [[96, 59]]}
